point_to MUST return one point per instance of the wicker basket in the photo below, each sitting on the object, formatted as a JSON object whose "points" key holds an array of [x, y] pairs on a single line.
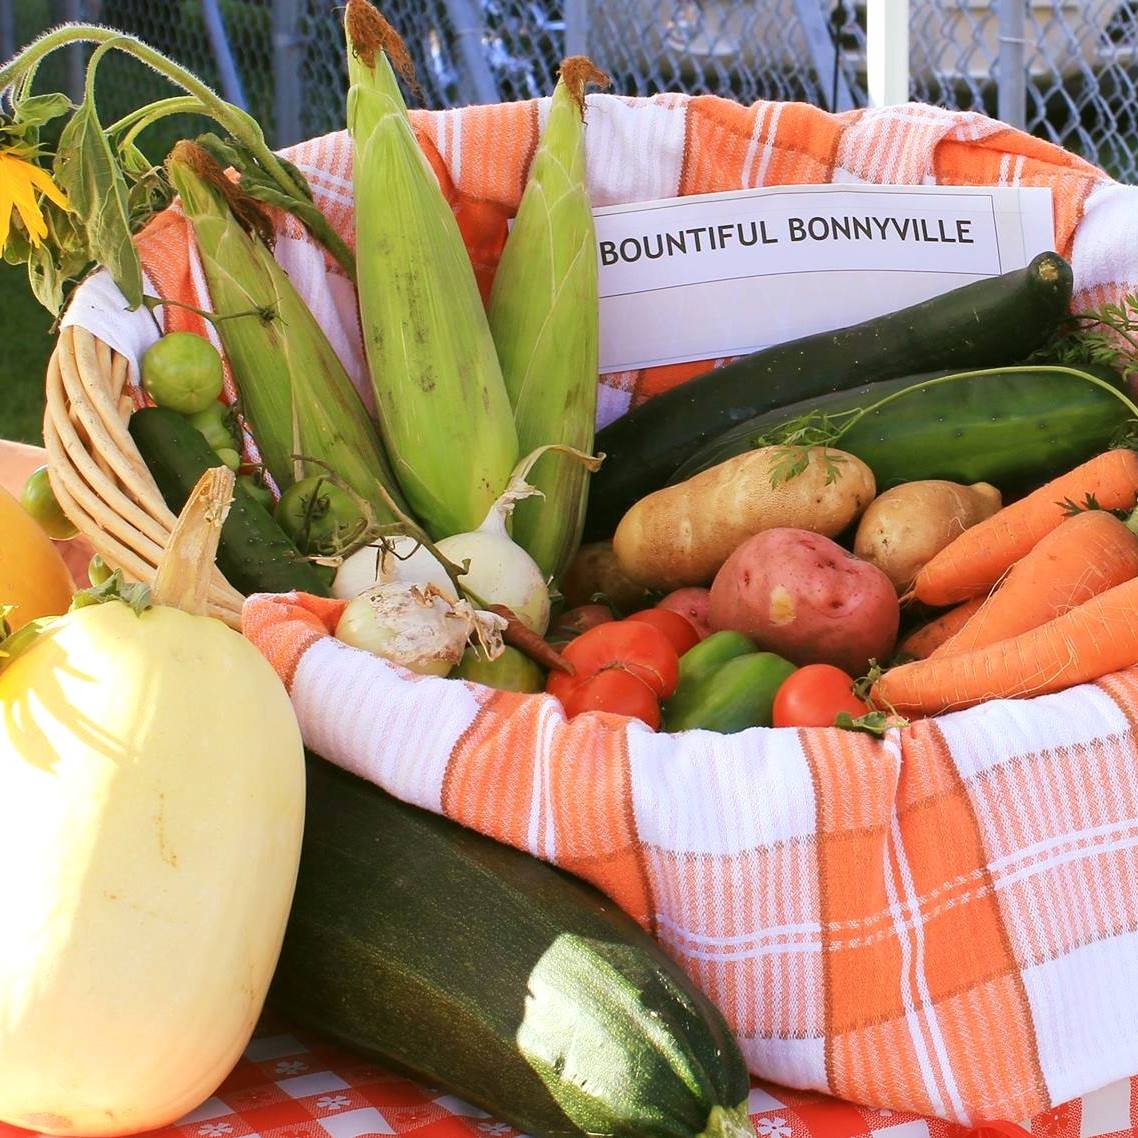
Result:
{"points": [[96, 471]]}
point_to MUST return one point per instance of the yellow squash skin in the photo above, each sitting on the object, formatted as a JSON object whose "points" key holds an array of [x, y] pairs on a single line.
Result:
{"points": [[33, 576], [151, 808]]}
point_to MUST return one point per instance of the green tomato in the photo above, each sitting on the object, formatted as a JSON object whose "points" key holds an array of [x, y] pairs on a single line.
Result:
{"points": [[512, 671], [39, 500], [214, 424], [182, 371], [318, 516], [257, 490], [230, 457]]}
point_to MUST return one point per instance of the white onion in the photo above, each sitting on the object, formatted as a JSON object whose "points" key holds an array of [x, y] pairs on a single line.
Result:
{"points": [[410, 562], [501, 572], [417, 626]]}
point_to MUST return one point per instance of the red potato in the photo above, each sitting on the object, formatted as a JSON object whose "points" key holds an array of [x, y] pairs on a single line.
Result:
{"points": [[693, 603], [572, 622], [804, 597]]}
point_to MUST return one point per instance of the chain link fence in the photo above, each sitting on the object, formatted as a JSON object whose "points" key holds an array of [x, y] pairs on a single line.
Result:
{"points": [[1063, 69]]}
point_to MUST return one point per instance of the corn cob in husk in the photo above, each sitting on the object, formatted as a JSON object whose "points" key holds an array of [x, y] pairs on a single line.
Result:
{"points": [[544, 319], [438, 386], [295, 393]]}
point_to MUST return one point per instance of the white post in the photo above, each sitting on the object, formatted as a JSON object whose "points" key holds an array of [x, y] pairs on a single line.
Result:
{"points": [[887, 52]]}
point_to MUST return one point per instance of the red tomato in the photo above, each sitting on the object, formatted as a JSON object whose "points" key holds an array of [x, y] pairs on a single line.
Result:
{"points": [[680, 631], [572, 622], [616, 691], [620, 645], [813, 696]]}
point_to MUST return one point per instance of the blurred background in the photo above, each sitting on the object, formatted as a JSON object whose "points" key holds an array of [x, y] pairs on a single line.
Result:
{"points": [[1064, 70]]}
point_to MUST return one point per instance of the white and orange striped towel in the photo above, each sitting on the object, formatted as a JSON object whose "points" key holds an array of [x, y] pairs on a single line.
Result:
{"points": [[945, 921]]}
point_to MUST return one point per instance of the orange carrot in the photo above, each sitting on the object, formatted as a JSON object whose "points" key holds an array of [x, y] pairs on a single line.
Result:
{"points": [[982, 554], [1084, 556], [1084, 644], [526, 641], [924, 641]]}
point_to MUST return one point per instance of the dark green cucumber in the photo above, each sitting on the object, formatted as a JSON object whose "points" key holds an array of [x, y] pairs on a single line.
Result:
{"points": [[1010, 427], [476, 968], [254, 554], [1000, 320]]}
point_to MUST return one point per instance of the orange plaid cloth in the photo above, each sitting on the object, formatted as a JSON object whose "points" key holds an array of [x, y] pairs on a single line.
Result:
{"points": [[945, 921]]}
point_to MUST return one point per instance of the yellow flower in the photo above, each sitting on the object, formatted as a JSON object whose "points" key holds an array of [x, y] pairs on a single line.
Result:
{"points": [[19, 181]]}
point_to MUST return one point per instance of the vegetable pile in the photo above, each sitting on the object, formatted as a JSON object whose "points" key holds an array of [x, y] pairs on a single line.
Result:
{"points": [[884, 522], [813, 498]]}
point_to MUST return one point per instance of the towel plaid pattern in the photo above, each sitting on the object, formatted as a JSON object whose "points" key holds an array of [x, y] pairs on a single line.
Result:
{"points": [[945, 921]]}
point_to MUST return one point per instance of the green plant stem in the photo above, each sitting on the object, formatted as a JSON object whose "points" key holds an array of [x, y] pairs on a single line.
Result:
{"points": [[154, 302], [142, 117], [236, 121], [240, 125]]}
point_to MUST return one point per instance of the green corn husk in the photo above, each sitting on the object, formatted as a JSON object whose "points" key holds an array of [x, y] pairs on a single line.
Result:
{"points": [[295, 393], [443, 407], [544, 318]]}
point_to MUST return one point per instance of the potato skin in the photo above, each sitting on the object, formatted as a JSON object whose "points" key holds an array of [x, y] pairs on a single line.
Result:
{"points": [[909, 524], [682, 534], [595, 570], [691, 602], [804, 597]]}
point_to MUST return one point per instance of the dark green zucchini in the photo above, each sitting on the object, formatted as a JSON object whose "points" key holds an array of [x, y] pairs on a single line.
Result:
{"points": [[255, 554], [1010, 427], [476, 968], [1000, 320]]}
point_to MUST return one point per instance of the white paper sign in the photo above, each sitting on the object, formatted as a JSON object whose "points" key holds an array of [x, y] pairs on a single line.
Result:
{"points": [[717, 275]]}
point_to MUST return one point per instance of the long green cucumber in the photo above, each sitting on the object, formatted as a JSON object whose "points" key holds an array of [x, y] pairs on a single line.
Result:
{"points": [[254, 553], [479, 969], [1007, 426], [1000, 320]]}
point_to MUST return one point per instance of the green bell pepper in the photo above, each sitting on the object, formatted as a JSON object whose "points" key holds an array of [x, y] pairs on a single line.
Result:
{"points": [[726, 684]]}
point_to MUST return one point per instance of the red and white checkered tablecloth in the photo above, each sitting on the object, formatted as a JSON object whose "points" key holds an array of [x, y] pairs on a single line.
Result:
{"points": [[290, 1085]]}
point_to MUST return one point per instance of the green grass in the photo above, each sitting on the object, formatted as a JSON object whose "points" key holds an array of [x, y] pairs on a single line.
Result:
{"points": [[25, 344], [25, 337]]}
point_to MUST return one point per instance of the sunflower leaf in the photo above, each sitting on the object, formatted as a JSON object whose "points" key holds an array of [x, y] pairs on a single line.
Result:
{"points": [[35, 111], [86, 170], [61, 257]]}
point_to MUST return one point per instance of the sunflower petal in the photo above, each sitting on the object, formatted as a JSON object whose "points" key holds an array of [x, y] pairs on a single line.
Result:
{"points": [[24, 198], [42, 181]]}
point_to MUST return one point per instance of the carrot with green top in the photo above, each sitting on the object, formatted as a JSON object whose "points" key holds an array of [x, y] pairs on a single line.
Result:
{"points": [[973, 563], [1086, 555], [1084, 644]]}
